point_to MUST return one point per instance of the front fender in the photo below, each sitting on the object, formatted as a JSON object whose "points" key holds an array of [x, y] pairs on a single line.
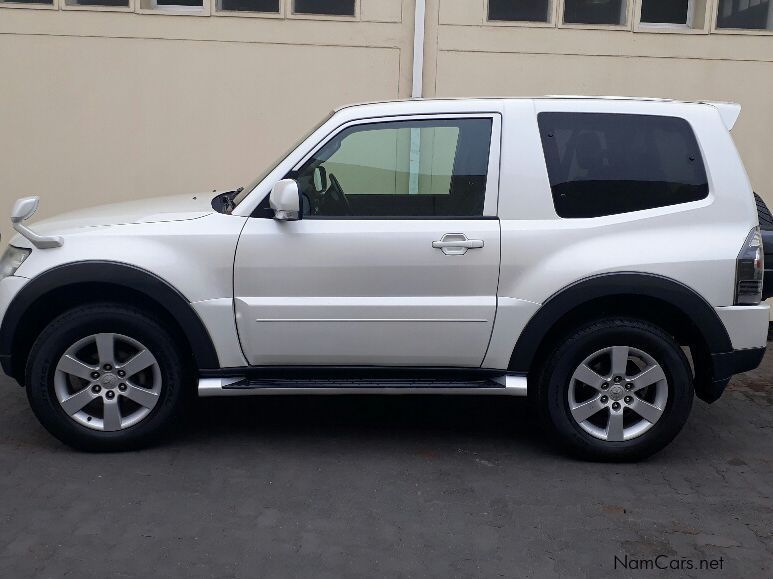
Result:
{"points": [[140, 281]]}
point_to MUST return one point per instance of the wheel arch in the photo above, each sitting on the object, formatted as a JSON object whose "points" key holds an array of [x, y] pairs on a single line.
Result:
{"points": [[663, 301], [70, 285]]}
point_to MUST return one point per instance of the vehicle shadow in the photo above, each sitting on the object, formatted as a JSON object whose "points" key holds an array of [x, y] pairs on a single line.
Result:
{"points": [[410, 417]]}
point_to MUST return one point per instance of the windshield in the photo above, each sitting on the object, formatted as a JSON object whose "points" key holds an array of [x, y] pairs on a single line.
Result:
{"points": [[242, 195]]}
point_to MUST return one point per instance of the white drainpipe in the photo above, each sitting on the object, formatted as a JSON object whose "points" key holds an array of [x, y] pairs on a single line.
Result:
{"points": [[416, 92], [418, 50]]}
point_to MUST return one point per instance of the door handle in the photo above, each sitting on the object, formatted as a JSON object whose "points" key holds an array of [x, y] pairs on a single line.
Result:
{"points": [[457, 244]]}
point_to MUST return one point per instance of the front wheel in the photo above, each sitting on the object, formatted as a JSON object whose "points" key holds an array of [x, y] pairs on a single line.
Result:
{"points": [[616, 389], [105, 377]]}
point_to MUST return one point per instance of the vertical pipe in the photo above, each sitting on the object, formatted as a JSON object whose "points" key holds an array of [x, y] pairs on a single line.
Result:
{"points": [[417, 89]]}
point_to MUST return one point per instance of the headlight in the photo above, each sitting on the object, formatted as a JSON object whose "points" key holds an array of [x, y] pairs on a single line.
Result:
{"points": [[12, 260]]}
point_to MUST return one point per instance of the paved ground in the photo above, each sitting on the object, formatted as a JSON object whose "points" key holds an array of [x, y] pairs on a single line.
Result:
{"points": [[362, 487]]}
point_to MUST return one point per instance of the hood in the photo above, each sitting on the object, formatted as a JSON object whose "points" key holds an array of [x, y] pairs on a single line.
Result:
{"points": [[154, 210]]}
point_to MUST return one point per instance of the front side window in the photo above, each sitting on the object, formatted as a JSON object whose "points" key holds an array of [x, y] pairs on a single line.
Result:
{"points": [[745, 14], [324, 7], [432, 168], [608, 12], [606, 164], [519, 10]]}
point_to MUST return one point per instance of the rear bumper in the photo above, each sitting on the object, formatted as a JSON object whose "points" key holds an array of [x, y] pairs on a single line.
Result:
{"points": [[747, 326], [723, 368]]}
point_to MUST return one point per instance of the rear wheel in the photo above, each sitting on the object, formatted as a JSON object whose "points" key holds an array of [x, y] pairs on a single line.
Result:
{"points": [[617, 389], [105, 377]]}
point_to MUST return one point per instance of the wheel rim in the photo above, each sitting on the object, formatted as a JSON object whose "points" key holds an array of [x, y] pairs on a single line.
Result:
{"points": [[618, 393], [107, 382]]}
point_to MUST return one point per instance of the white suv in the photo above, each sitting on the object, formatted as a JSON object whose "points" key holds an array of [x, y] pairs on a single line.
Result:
{"points": [[600, 255]]}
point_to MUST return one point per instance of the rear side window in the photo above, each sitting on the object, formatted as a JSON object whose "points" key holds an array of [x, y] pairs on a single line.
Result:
{"points": [[606, 164]]}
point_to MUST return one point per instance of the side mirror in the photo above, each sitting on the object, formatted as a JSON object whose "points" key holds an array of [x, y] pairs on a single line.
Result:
{"points": [[285, 200], [24, 208]]}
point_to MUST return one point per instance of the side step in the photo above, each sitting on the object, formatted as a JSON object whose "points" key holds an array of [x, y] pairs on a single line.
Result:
{"points": [[505, 385]]}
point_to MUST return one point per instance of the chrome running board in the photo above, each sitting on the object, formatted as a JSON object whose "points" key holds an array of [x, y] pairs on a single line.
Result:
{"points": [[505, 385]]}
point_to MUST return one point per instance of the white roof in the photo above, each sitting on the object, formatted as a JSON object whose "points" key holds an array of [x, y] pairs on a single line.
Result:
{"points": [[729, 111]]}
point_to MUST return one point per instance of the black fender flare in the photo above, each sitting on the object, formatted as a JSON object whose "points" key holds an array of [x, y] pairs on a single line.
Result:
{"points": [[107, 272], [665, 289]]}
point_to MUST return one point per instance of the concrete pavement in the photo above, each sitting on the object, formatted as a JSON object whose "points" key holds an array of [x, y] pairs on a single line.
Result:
{"points": [[385, 486]]}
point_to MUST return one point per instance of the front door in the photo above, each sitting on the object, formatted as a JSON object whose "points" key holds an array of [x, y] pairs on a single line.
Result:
{"points": [[396, 259]]}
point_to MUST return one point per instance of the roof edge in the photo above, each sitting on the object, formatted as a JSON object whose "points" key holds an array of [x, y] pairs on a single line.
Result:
{"points": [[729, 111]]}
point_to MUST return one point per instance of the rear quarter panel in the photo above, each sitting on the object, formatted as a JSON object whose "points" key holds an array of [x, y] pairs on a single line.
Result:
{"points": [[694, 243]]}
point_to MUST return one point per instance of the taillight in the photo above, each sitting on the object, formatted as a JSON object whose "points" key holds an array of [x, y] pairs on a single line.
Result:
{"points": [[750, 268]]}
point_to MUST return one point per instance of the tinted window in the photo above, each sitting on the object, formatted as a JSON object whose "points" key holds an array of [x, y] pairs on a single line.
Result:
{"points": [[433, 168], [612, 12], [193, 3], [250, 5], [749, 14], [95, 2], [665, 11], [605, 164], [328, 7], [519, 10]]}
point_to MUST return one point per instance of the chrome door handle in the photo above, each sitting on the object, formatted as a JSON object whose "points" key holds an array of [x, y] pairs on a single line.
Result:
{"points": [[457, 244]]}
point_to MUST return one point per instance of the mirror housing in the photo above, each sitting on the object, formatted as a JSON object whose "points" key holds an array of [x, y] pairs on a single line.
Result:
{"points": [[24, 208], [285, 200]]}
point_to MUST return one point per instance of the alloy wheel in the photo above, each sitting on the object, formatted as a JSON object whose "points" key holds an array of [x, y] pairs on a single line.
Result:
{"points": [[618, 393], [107, 382]]}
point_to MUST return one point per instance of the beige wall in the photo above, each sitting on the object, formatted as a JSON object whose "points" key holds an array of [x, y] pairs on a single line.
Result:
{"points": [[105, 106], [102, 106], [469, 56]]}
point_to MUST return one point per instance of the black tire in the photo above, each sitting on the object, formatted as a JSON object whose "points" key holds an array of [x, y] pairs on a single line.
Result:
{"points": [[763, 213], [559, 367], [78, 323]]}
